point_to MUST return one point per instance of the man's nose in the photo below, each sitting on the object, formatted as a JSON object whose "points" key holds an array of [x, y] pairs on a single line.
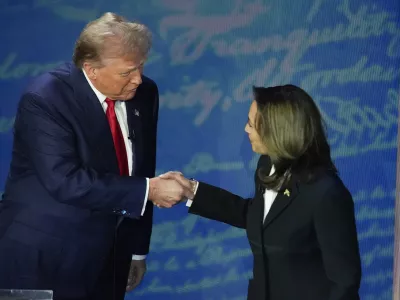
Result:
{"points": [[136, 78]]}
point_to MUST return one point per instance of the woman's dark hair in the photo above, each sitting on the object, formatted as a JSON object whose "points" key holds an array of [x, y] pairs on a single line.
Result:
{"points": [[291, 127]]}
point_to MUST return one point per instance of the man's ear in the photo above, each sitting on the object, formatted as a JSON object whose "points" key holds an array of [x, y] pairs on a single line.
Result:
{"points": [[90, 70]]}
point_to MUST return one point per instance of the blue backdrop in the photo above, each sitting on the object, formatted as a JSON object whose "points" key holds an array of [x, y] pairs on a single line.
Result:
{"points": [[206, 57]]}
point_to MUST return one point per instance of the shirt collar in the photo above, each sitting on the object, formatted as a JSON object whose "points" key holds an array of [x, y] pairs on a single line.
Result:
{"points": [[99, 95], [272, 170]]}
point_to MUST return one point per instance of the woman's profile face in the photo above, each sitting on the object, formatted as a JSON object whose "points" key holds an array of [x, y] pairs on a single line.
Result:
{"points": [[254, 137]]}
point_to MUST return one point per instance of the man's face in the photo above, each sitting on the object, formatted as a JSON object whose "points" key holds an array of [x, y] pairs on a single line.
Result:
{"points": [[118, 79]]}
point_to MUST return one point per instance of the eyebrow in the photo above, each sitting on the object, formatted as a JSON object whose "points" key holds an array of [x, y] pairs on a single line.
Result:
{"points": [[133, 68]]}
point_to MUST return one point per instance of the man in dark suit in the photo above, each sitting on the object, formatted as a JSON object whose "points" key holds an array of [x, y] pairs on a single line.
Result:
{"points": [[79, 196]]}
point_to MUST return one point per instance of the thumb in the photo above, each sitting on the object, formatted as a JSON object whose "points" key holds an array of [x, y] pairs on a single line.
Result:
{"points": [[170, 175], [165, 176]]}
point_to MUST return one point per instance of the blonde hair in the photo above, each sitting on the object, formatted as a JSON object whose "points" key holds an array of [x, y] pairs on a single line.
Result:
{"points": [[111, 36], [292, 129]]}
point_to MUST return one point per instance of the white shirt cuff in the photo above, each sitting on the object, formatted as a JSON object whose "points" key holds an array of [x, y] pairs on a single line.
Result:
{"points": [[138, 257], [190, 201], [145, 197]]}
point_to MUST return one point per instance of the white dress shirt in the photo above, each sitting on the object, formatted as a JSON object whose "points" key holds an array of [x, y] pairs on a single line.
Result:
{"points": [[269, 197], [120, 111]]}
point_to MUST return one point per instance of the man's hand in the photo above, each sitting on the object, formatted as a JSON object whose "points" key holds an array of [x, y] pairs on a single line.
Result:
{"points": [[165, 192], [178, 176], [136, 273]]}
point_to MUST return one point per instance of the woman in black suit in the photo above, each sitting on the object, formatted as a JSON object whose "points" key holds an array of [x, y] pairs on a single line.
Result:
{"points": [[300, 223]]}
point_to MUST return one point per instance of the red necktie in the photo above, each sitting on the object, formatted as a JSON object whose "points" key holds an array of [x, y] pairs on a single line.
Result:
{"points": [[118, 138]]}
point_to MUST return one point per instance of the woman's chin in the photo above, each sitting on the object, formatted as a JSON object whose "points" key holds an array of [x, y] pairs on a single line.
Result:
{"points": [[254, 149], [258, 151]]}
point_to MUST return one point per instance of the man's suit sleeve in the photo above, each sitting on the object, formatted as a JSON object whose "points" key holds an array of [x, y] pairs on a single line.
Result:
{"points": [[50, 144]]}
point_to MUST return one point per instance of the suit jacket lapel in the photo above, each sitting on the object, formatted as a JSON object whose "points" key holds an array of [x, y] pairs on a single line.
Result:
{"points": [[264, 164], [92, 115], [134, 117], [282, 201]]}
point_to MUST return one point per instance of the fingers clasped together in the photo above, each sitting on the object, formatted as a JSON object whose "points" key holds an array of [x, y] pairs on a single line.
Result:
{"points": [[170, 188]]}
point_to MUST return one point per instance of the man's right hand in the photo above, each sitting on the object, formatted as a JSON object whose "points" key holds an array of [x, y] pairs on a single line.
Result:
{"points": [[168, 192]]}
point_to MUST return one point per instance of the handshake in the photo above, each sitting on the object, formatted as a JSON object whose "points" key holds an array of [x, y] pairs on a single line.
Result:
{"points": [[170, 188]]}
